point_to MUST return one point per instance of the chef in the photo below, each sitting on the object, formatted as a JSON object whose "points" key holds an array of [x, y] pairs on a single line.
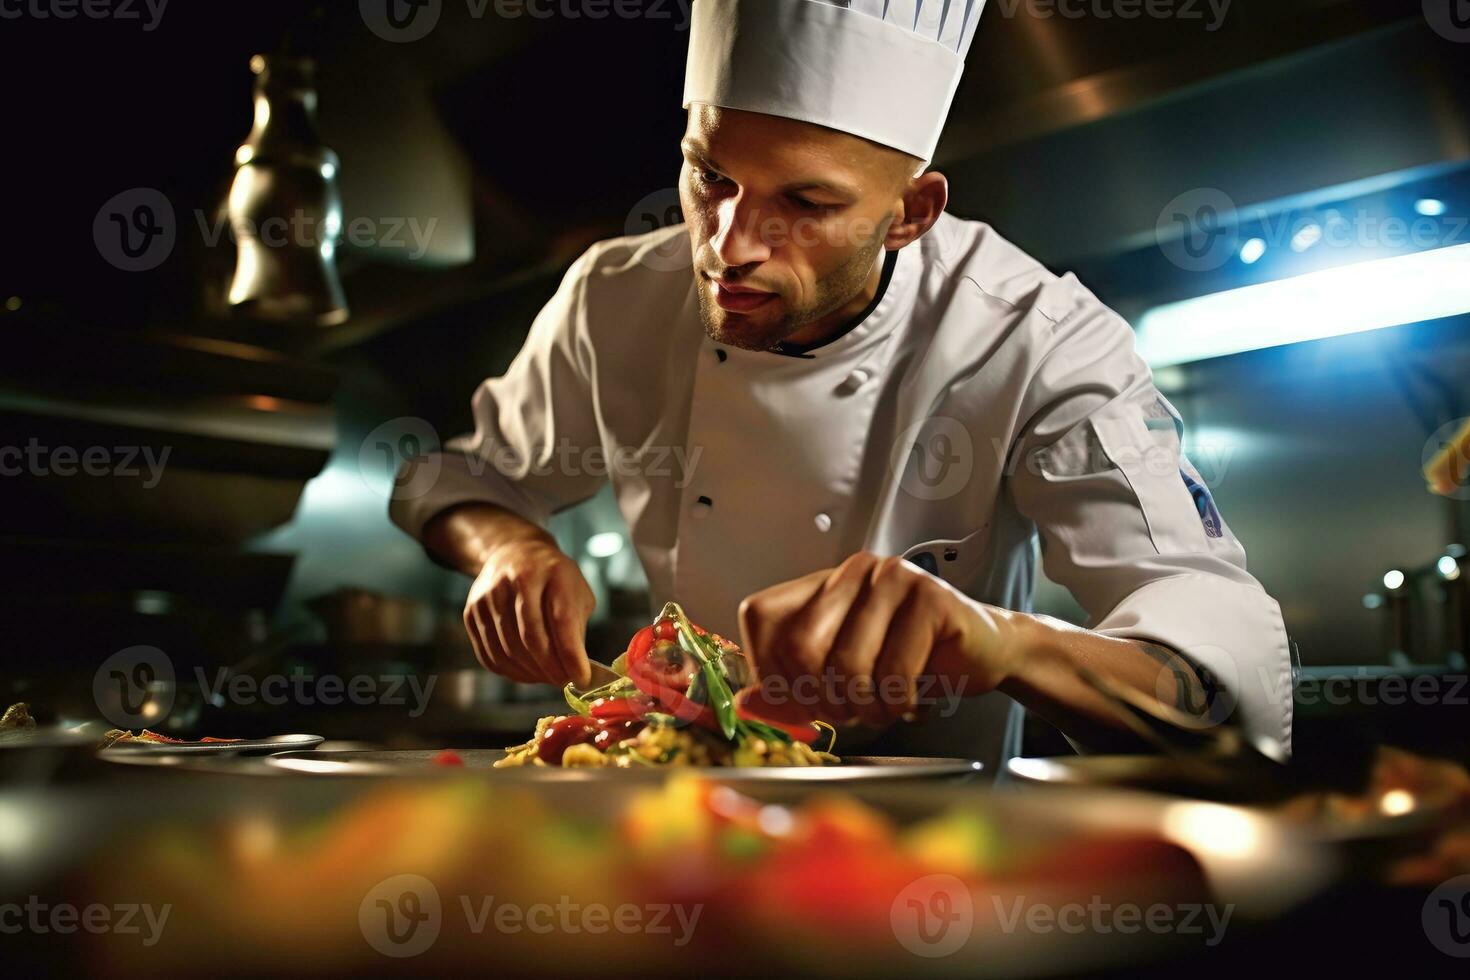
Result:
{"points": [[883, 412]]}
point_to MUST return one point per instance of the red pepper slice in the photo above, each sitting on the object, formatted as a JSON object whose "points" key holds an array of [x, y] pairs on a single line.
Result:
{"points": [[665, 680], [621, 709], [562, 734], [785, 716], [615, 732]]}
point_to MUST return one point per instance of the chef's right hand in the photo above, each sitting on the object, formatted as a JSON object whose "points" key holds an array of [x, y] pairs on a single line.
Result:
{"points": [[527, 613]]}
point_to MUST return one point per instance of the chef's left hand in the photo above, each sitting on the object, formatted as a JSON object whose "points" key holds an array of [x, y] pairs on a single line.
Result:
{"points": [[855, 640]]}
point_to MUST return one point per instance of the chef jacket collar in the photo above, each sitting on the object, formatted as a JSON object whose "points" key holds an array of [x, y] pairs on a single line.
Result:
{"points": [[805, 350]]}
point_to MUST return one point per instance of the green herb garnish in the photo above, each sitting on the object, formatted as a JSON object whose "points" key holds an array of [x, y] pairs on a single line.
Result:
{"points": [[717, 687]]}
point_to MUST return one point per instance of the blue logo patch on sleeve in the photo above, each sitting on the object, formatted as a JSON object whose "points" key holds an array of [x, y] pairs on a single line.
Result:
{"points": [[1209, 516]]}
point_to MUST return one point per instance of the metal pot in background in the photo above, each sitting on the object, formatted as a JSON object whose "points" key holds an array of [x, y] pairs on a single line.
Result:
{"points": [[359, 617]]}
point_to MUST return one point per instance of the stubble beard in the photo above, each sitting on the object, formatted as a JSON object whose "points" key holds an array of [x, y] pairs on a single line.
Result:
{"points": [[834, 290]]}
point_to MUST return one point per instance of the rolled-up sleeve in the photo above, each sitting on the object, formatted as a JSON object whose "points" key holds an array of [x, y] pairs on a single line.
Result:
{"points": [[534, 428], [1128, 524]]}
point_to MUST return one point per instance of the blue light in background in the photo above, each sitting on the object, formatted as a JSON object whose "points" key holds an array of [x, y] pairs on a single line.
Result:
{"points": [[1430, 207], [1308, 235], [604, 544], [1326, 303], [1252, 250]]}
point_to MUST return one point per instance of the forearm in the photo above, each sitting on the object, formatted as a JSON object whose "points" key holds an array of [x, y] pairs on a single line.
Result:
{"points": [[462, 537], [1046, 676]]}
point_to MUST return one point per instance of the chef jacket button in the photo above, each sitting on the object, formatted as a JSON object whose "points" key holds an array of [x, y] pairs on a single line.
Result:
{"points": [[703, 506], [721, 355], [823, 522], [854, 381]]}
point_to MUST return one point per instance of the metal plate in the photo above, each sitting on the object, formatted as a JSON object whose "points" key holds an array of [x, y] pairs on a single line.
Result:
{"points": [[44, 738], [1391, 829], [247, 746], [387, 763], [1250, 780]]}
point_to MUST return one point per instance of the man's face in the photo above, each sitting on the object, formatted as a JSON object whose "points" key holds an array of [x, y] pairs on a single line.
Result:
{"points": [[786, 220]]}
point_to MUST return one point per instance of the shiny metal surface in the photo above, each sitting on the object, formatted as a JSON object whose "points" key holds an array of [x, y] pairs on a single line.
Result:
{"points": [[284, 207], [239, 747], [1085, 169], [855, 769]]}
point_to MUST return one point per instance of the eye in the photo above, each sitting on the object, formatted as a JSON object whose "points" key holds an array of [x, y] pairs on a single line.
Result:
{"points": [[707, 176], [806, 204]]}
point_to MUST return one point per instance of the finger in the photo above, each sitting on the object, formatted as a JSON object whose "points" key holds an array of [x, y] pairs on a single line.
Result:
{"points": [[566, 623], [860, 641], [813, 631], [533, 634], [905, 654], [487, 645], [807, 642], [760, 615], [477, 638], [503, 603]]}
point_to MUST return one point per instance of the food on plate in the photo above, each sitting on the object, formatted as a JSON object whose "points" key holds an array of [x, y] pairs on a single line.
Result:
{"points": [[118, 735], [673, 704], [17, 725], [17, 717]]}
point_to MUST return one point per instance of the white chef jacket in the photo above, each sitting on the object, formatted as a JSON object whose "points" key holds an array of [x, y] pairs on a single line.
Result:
{"points": [[982, 403]]}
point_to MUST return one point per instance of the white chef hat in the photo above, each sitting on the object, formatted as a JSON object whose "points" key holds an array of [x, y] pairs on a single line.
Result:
{"points": [[885, 70]]}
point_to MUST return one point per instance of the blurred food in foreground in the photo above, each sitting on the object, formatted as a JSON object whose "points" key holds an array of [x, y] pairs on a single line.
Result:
{"points": [[1404, 785], [816, 884]]}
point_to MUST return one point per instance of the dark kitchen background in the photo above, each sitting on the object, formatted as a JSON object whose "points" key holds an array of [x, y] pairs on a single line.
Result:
{"points": [[477, 161]]}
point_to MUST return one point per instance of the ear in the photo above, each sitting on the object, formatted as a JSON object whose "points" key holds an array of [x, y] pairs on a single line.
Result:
{"points": [[924, 201]]}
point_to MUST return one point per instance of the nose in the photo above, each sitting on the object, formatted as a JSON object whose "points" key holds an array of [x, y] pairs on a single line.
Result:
{"points": [[738, 240]]}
